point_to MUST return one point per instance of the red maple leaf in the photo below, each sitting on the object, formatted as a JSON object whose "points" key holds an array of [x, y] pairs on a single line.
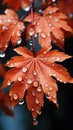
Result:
{"points": [[10, 29], [50, 27], [17, 4], [5, 103], [35, 76]]}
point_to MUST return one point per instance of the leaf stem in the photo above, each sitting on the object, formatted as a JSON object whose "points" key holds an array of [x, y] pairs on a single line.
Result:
{"points": [[32, 22]]}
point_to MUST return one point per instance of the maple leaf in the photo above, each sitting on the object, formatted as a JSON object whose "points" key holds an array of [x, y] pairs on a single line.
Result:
{"points": [[10, 29], [36, 76], [17, 4], [50, 27], [5, 103]]}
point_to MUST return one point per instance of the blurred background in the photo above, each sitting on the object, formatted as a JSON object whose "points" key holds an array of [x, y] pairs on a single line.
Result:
{"points": [[51, 118]]}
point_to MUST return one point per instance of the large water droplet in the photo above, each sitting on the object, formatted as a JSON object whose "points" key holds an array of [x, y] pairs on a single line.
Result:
{"points": [[43, 35], [4, 27], [29, 81], [19, 78], [15, 96], [8, 83], [50, 88], [27, 8], [33, 93], [37, 101], [9, 20], [24, 69], [19, 41], [35, 84], [2, 54], [21, 101], [35, 72], [31, 31], [35, 122], [39, 89]]}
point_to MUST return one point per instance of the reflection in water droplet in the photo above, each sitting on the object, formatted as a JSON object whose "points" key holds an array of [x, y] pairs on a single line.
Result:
{"points": [[19, 41], [24, 69], [37, 101], [39, 89], [35, 122], [21, 101], [43, 35], [15, 96], [33, 93], [29, 81], [19, 78], [4, 27], [31, 31], [35, 84], [2, 54], [9, 83], [35, 72]]}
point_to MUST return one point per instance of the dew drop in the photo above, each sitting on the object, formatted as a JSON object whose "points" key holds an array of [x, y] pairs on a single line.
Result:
{"points": [[39, 112], [46, 85], [4, 27], [58, 59], [39, 30], [33, 93], [8, 83], [24, 69], [39, 89], [19, 41], [56, 20], [50, 88], [38, 23], [43, 35], [2, 54], [37, 101], [15, 96], [35, 122], [32, 109], [27, 8], [65, 82], [31, 31], [18, 34], [34, 72], [21, 101], [29, 81], [35, 84], [36, 35], [19, 78], [9, 20], [50, 25], [50, 12], [0, 21], [54, 75]]}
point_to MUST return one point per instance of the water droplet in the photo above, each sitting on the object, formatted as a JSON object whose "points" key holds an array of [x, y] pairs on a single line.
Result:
{"points": [[36, 35], [32, 109], [15, 96], [53, 64], [54, 75], [43, 35], [35, 84], [44, 52], [50, 25], [9, 20], [31, 31], [56, 20], [38, 23], [58, 58], [37, 101], [9, 83], [39, 30], [46, 59], [24, 69], [4, 27], [50, 88], [65, 82], [33, 93], [50, 16], [2, 54], [38, 111], [50, 12], [35, 72], [27, 8], [39, 89], [0, 21], [35, 122], [29, 81], [19, 41], [19, 78], [30, 43], [18, 34], [21, 101], [11, 65], [53, 0], [46, 85]]}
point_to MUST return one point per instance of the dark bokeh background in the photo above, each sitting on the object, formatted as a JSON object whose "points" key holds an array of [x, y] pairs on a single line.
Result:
{"points": [[52, 118]]}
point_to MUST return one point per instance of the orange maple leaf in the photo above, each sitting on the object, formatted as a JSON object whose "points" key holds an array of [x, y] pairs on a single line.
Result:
{"points": [[50, 27], [10, 29], [36, 75], [5, 103], [17, 4]]}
